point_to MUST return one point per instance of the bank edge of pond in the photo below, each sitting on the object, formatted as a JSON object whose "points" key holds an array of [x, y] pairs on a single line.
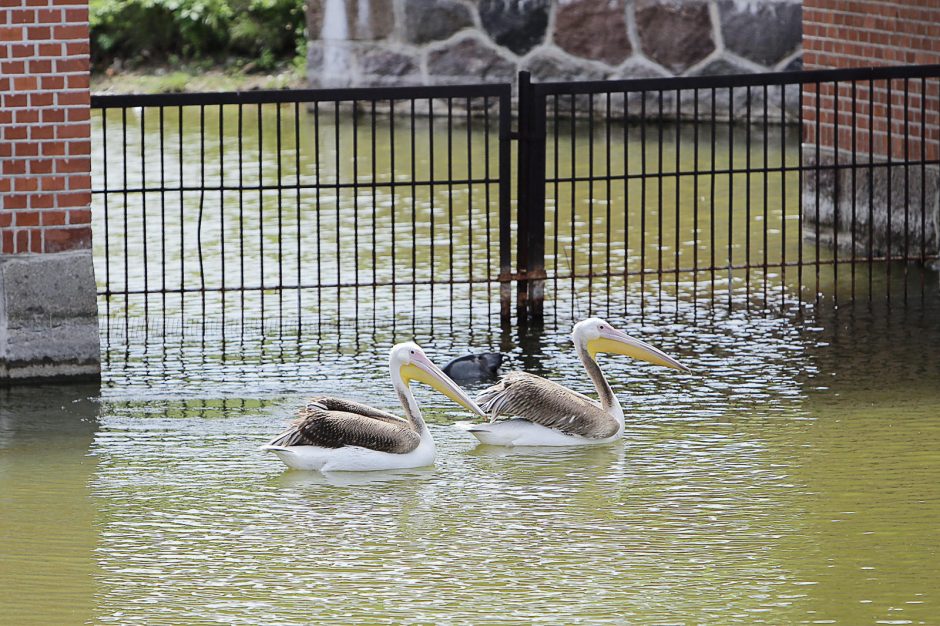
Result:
{"points": [[194, 79]]}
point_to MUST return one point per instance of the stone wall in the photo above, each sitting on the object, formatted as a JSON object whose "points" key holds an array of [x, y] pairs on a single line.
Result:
{"points": [[48, 312], [433, 42], [864, 33]]}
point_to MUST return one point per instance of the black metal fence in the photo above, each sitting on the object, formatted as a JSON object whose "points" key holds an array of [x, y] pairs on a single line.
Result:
{"points": [[290, 203], [717, 189], [753, 188]]}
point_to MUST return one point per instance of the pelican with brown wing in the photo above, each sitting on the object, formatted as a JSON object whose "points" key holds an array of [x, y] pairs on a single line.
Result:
{"points": [[333, 434], [528, 410]]}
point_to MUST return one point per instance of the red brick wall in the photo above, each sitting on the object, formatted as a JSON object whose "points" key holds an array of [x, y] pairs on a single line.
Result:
{"points": [[45, 146], [864, 33]]}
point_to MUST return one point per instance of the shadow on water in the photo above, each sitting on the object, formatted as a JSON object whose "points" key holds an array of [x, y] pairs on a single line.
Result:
{"points": [[47, 515]]}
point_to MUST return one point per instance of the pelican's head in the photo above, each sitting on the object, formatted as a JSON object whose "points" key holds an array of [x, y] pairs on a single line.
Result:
{"points": [[596, 335], [410, 362]]}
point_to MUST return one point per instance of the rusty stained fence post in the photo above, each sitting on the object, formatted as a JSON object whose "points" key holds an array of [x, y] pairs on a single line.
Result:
{"points": [[530, 251]]}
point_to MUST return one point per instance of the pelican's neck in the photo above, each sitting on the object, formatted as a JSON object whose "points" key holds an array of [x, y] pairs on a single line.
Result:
{"points": [[409, 403], [609, 402]]}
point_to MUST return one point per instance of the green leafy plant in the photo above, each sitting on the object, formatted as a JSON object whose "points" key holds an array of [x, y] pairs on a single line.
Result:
{"points": [[136, 31]]}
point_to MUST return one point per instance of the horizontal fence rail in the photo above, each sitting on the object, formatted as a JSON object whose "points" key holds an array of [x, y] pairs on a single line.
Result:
{"points": [[753, 190], [292, 201]]}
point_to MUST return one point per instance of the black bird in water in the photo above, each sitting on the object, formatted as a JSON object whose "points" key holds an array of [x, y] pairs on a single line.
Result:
{"points": [[474, 367]]}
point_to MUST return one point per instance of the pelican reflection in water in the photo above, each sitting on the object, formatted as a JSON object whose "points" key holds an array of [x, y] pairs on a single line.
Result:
{"points": [[543, 413], [332, 434]]}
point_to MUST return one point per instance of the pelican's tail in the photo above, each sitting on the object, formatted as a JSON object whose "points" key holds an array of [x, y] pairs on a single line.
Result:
{"points": [[493, 399], [290, 437]]}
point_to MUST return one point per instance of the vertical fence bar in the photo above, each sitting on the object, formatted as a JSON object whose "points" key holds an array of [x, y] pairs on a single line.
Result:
{"points": [[280, 213], [505, 200], [854, 177], [590, 220], [765, 175], [923, 183], [574, 173], [890, 149], [374, 184], [626, 199], [202, 198], [124, 180], [317, 208], [470, 229], [783, 194], [730, 190], [695, 175], [261, 205], [818, 185], [799, 220], [450, 199], [711, 199], [336, 165], [556, 173], [107, 233], [393, 193], [678, 183], [298, 225], [836, 172], [162, 217], [143, 211], [747, 200], [222, 209], [907, 184], [607, 179], [659, 206], [431, 190], [642, 201], [179, 130], [871, 188]]}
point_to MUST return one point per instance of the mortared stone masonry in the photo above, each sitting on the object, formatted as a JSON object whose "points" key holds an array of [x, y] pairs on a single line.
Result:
{"points": [[434, 42], [48, 311]]}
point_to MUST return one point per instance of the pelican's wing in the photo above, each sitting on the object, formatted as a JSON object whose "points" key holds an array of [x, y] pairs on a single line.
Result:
{"points": [[546, 403], [377, 430], [330, 403]]}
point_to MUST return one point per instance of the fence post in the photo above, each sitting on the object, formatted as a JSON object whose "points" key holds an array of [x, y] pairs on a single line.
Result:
{"points": [[530, 252]]}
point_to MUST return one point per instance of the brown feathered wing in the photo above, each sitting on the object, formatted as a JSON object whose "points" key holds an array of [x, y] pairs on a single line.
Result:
{"points": [[330, 422], [549, 404]]}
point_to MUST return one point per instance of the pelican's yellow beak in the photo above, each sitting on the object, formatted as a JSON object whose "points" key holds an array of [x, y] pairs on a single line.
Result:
{"points": [[422, 370], [613, 341]]}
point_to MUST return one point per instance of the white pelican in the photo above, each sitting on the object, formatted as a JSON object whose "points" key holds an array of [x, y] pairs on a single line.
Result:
{"points": [[544, 413], [332, 434]]}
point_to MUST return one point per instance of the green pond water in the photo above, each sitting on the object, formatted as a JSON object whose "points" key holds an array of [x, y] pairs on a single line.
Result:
{"points": [[792, 477]]}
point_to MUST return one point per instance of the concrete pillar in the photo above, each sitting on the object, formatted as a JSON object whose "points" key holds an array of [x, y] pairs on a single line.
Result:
{"points": [[48, 309]]}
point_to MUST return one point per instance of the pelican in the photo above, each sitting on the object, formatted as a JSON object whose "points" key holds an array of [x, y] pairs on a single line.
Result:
{"points": [[332, 434], [544, 413]]}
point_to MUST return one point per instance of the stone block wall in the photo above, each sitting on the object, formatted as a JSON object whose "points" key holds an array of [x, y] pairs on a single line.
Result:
{"points": [[48, 311], [864, 33], [432, 42]]}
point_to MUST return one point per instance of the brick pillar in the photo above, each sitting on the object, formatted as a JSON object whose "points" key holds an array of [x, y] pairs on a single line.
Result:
{"points": [[48, 311], [865, 33]]}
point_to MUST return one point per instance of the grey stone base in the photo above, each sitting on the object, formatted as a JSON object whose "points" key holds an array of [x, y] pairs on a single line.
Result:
{"points": [[879, 207], [48, 317]]}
